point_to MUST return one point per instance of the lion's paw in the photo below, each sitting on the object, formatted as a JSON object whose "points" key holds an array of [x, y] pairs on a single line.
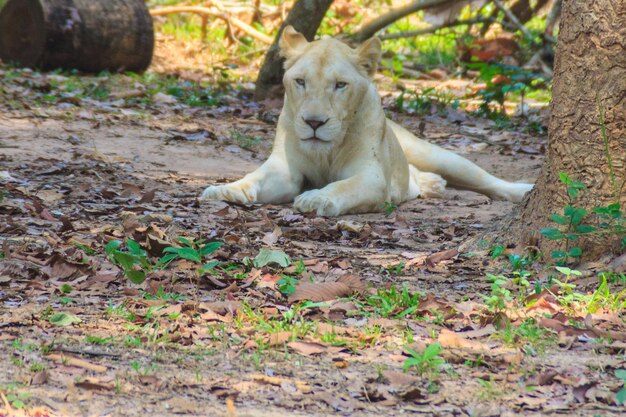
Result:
{"points": [[318, 201], [230, 192], [431, 185]]}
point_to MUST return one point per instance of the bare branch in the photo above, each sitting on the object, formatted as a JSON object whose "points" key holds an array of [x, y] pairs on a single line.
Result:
{"points": [[385, 20], [220, 14], [413, 33], [513, 19]]}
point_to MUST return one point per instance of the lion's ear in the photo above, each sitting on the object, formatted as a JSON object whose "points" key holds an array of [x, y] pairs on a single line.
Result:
{"points": [[369, 54], [291, 43]]}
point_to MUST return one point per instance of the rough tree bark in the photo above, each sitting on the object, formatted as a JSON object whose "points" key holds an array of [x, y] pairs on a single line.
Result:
{"points": [[305, 16], [590, 68]]}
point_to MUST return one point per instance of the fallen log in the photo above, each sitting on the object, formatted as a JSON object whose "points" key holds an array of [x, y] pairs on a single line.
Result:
{"points": [[88, 35]]}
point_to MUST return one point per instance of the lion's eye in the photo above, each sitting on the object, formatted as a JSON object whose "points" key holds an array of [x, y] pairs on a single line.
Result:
{"points": [[340, 84], [300, 82]]}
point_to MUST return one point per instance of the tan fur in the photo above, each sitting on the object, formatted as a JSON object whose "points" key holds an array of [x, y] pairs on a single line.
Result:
{"points": [[356, 159]]}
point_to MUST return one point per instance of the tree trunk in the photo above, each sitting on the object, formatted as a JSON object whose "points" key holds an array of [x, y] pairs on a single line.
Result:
{"points": [[590, 72], [83, 34], [306, 17]]}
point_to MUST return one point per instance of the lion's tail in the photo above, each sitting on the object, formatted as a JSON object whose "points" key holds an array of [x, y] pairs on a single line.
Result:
{"points": [[456, 170]]}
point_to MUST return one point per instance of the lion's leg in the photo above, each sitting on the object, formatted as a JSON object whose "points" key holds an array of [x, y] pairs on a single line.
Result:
{"points": [[361, 193], [456, 170], [271, 183]]}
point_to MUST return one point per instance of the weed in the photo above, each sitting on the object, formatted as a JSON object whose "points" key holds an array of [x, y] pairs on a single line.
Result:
{"points": [[96, 340], [529, 336], [389, 207], [162, 295], [429, 361], [394, 302], [193, 251], [133, 261], [500, 296]]}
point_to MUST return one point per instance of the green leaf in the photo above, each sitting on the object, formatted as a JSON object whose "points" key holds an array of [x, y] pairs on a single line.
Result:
{"points": [[185, 241], [210, 248], [267, 256], [566, 271], [63, 319], [620, 397], [190, 254], [134, 247], [136, 277], [112, 246], [558, 254], [557, 218], [621, 374], [575, 252], [552, 233], [565, 179], [186, 253], [125, 260], [585, 228], [208, 267], [624, 242], [572, 192], [165, 260]]}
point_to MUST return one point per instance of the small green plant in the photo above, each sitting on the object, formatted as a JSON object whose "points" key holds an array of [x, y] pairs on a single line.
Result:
{"points": [[500, 296], [394, 302], [287, 284], [501, 80], [389, 207], [132, 259], [429, 361], [424, 102], [193, 251]]}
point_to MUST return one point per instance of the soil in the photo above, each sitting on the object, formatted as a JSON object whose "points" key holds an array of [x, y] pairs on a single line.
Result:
{"points": [[78, 176]]}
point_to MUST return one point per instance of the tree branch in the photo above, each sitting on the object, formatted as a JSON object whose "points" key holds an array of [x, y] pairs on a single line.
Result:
{"points": [[413, 33], [513, 19], [385, 20], [220, 14]]}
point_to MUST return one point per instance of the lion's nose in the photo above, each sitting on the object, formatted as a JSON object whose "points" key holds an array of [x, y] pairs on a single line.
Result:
{"points": [[315, 123]]}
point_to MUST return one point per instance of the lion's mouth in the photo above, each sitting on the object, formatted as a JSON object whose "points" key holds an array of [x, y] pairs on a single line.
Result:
{"points": [[314, 139]]}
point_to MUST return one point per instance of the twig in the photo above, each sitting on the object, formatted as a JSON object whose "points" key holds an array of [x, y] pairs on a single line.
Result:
{"points": [[385, 20], [413, 33], [7, 405], [220, 14], [80, 363], [514, 19]]}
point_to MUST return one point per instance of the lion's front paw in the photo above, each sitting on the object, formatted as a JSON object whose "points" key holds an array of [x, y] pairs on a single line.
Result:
{"points": [[230, 192], [318, 201]]}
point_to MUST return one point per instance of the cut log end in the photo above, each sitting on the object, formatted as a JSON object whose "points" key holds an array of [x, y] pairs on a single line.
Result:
{"points": [[92, 36], [22, 36]]}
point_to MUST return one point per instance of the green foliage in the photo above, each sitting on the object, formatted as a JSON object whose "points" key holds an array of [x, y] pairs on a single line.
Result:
{"points": [[287, 284], [574, 222], [269, 256], [64, 319], [424, 102], [500, 296], [502, 80], [429, 361], [389, 207], [394, 302], [132, 259], [192, 250]]}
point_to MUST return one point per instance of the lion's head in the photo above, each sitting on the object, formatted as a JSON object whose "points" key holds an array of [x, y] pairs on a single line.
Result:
{"points": [[325, 84]]}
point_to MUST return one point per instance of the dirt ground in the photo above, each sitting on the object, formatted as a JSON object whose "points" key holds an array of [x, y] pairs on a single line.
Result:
{"points": [[78, 176]]}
